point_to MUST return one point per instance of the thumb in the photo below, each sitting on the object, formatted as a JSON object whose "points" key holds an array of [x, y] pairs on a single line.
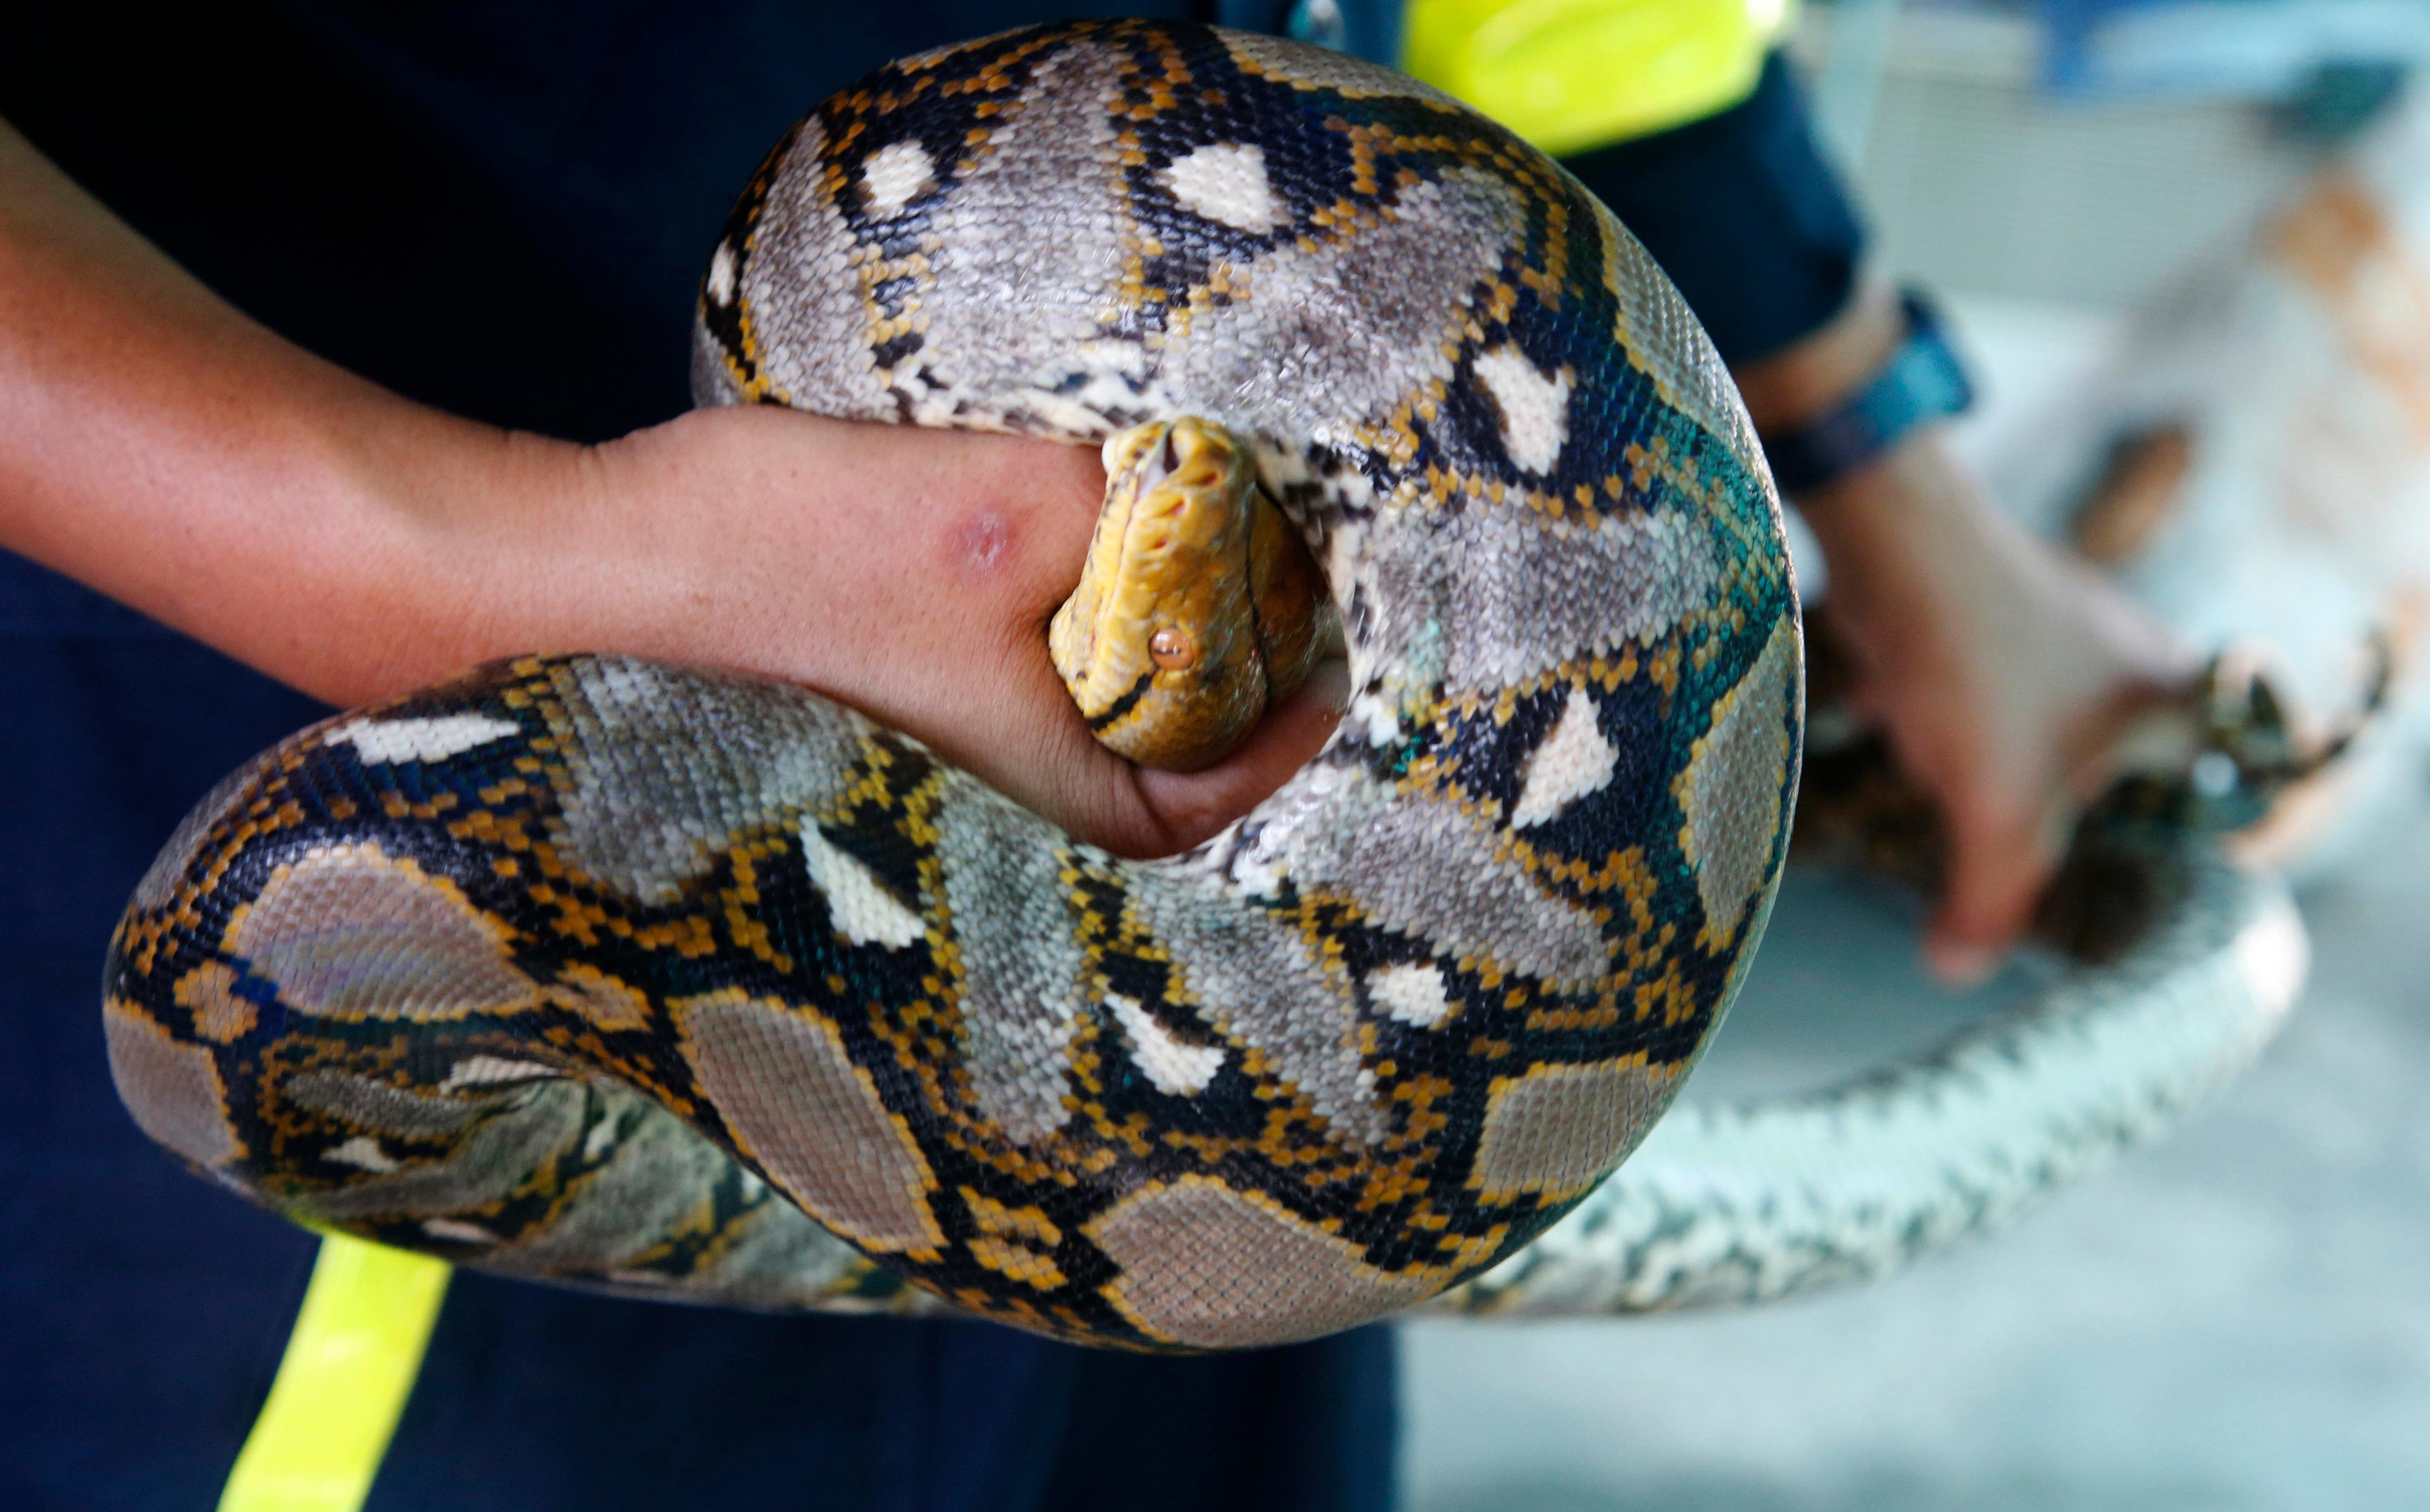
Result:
{"points": [[1192, 806]]}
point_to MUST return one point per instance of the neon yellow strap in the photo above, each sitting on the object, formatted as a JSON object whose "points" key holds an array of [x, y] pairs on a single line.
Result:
{"points": [[1573, 75], [349, 1366]]}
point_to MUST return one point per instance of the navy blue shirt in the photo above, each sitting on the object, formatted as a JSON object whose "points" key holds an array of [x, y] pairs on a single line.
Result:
{"points": [[501, 207]]}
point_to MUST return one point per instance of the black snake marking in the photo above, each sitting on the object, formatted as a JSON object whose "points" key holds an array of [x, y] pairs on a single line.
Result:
{"points": [[688, 984]]}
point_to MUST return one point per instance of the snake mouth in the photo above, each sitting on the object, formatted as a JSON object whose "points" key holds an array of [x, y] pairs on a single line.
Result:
{"points": [[1120, 706], [1153, 460]]}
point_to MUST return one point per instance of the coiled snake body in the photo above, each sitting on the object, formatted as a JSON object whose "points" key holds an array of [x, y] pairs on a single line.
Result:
{"points": [[662, 979]]}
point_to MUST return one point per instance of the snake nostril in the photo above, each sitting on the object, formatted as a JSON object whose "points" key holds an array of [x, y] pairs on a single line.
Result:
{"points": [[1171, 453]]}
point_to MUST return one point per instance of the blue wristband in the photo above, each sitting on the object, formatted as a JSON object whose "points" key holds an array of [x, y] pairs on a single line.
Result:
{"points": [[1923, 382]]}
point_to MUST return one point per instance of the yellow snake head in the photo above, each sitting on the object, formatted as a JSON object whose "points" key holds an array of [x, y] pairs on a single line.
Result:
{"points": [[1197, 607]]}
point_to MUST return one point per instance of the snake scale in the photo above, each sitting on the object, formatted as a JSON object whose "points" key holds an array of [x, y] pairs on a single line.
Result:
{"points": [[679, 983]]}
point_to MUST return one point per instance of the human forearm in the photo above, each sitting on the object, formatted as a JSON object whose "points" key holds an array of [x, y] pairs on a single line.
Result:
{"points": [[1876, 522], [160, 446]]}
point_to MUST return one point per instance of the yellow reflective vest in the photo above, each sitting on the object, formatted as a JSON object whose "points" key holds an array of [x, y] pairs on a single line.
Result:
{"points": [[1571, 75]]}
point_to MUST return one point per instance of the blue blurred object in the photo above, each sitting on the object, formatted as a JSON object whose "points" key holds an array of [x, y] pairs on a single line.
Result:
{"points": [[2273, 49]]}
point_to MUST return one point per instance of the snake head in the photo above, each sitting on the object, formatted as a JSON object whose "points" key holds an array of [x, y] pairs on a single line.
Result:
{"points": [[1166, 643]]}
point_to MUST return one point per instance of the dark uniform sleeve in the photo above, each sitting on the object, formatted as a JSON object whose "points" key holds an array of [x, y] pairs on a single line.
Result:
{"points": [[1742, 211]]}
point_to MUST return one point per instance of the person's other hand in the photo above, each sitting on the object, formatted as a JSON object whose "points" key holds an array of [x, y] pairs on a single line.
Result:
{"points": [[2001, 672]]}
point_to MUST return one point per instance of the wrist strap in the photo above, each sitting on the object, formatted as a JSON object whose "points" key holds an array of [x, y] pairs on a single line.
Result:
{"points": [[1923, 381]]}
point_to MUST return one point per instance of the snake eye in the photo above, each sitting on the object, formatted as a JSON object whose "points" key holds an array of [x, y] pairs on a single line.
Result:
{"points": [[1171, 648]]}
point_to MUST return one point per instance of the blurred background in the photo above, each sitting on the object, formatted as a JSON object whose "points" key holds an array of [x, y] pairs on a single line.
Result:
{"points": [[2239, 1318]]}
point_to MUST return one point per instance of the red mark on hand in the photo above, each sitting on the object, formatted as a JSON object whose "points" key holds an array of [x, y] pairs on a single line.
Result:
{"points": [[983, 540]]}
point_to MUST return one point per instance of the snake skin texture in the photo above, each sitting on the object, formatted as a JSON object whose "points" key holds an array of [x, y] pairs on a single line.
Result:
{"points": [[686, 983], [1735, 1205]]}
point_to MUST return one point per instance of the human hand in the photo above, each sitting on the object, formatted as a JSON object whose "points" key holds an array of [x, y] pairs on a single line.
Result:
{"points": [[2002, 672], [909, 573]]}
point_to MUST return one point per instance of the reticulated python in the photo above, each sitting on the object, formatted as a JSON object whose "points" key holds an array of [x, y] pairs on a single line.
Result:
{"points": [[664, 980]]}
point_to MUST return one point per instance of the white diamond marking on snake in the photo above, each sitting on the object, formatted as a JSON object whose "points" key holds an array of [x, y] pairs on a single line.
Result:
{"points": [[1226, 181], [365, 1151], [1183, 1069], [863, 910], [894, 174], [429, 740], [1533, 406], [1574, 761], [1414, 995]]}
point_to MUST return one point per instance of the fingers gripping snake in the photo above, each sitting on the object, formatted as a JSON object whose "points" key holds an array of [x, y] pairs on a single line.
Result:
{"points": [[677, 982]]}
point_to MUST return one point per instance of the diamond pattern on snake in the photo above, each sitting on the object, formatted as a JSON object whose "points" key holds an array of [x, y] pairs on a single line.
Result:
{"points": [[674, 982]]}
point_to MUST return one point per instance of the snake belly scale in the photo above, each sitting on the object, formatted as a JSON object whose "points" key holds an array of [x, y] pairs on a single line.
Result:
{"points": [[668, 980]]}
